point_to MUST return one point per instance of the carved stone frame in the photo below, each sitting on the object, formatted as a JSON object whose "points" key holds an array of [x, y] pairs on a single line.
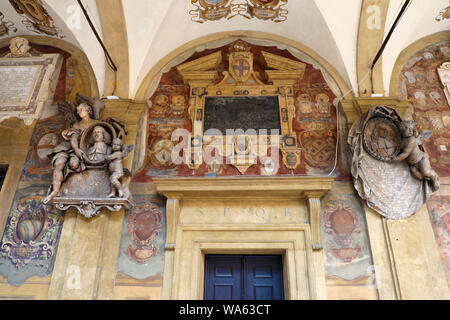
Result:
{"points": [[201, 76], [41, 91], [299, 244]]}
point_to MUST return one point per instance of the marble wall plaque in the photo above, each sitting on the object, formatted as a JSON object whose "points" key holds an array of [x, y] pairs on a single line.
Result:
{"points": [[242, 113], [17, 86], [27, 85]]}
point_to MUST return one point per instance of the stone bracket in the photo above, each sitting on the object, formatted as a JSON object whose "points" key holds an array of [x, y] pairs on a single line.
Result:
{"points": [[353, 109], [315, 218], [91, 207]]}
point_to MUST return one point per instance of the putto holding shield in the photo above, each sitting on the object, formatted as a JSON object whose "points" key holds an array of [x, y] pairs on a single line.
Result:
{"points": [[86, 172]]}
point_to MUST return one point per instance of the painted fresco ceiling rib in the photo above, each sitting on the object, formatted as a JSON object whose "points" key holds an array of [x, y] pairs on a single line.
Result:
{"points": [[140, 10], [69, 25], [418, 22], [345, 34]]}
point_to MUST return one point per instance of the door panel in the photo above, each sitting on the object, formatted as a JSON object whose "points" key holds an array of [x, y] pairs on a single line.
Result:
{"points": [[243, 277], [263, 278], [223, 278]]}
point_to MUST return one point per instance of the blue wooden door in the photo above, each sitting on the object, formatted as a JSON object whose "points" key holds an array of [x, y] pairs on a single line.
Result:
{"points": [[263, 278], [223, 277], [243, 277]]}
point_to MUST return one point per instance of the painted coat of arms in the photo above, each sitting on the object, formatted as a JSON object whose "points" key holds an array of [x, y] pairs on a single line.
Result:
{"points": [[212, 10], [144, 223], [268, 10], [30, 239], [37, 18], [25, 231], [320, 148], [6, 26]]}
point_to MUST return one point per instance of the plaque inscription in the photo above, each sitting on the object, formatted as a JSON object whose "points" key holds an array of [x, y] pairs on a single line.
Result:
{"points": [[17, 86], [27, 84], [244, 113]]}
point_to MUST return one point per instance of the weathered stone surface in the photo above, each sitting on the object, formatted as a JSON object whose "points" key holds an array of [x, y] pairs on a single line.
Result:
{"points": [[388, 188]]}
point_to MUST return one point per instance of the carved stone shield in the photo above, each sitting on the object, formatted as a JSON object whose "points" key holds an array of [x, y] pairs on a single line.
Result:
{"points": [[381, 138], [388, 188]]}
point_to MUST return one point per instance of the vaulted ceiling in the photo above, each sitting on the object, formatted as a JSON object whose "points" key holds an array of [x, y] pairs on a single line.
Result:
{"points": [[140, 33]]}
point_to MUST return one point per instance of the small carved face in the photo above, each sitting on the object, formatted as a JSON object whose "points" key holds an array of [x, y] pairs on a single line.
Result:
{"points": [[19, 46], [98, 134], [84, 111], [382, 132], [117, 145], [407, 128]]}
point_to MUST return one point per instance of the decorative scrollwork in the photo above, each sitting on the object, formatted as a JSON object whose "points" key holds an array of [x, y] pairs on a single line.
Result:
{"points": [[213, 10], [6, 26]]}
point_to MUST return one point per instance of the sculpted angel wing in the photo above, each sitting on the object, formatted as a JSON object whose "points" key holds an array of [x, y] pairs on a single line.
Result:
{"points": [[68, 110], [96, 104], [119, 127], [424, 135], [126, 150]]}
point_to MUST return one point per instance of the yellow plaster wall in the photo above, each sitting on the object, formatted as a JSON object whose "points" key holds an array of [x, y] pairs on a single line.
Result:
{"points": [[14, 147]]}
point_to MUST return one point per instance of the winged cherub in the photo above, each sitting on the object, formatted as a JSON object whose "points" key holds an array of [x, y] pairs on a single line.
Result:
{"points": [[413, 152], [116, 168], [67, 157]]}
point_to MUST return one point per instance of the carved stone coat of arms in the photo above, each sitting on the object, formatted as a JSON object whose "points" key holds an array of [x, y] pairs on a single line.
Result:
{"points": [[390, 168]]}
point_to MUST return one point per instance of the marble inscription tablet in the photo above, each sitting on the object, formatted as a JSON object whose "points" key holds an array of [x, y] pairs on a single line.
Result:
{"points": [[27, 84], [244, 113], [17, 84]]}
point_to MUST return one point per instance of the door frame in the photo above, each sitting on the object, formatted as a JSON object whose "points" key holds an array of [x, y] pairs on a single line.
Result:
{"points": [[291, 242], [299, 242]]}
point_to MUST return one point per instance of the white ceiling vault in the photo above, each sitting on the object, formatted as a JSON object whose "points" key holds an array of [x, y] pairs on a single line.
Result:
{"points": [[155, 28]]}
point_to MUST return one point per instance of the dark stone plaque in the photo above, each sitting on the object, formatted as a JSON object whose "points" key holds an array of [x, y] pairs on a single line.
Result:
{"points": [[244, 113]]}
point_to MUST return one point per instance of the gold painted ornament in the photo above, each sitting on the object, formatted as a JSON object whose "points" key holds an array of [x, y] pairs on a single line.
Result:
{"points": [[38, 19], [268, 10], [6, 26], [210, 10], [443, 14], [213, 10]]}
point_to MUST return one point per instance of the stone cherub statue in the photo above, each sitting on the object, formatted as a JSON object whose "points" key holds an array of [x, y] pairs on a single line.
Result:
{"points": [[116, 168], [413, 152], [67, 157], [87, 166]]}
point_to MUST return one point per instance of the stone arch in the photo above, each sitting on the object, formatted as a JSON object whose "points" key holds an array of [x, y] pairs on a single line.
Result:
{"points": [[408, 52], [88, 77], [178, 56], [185, 50]]}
